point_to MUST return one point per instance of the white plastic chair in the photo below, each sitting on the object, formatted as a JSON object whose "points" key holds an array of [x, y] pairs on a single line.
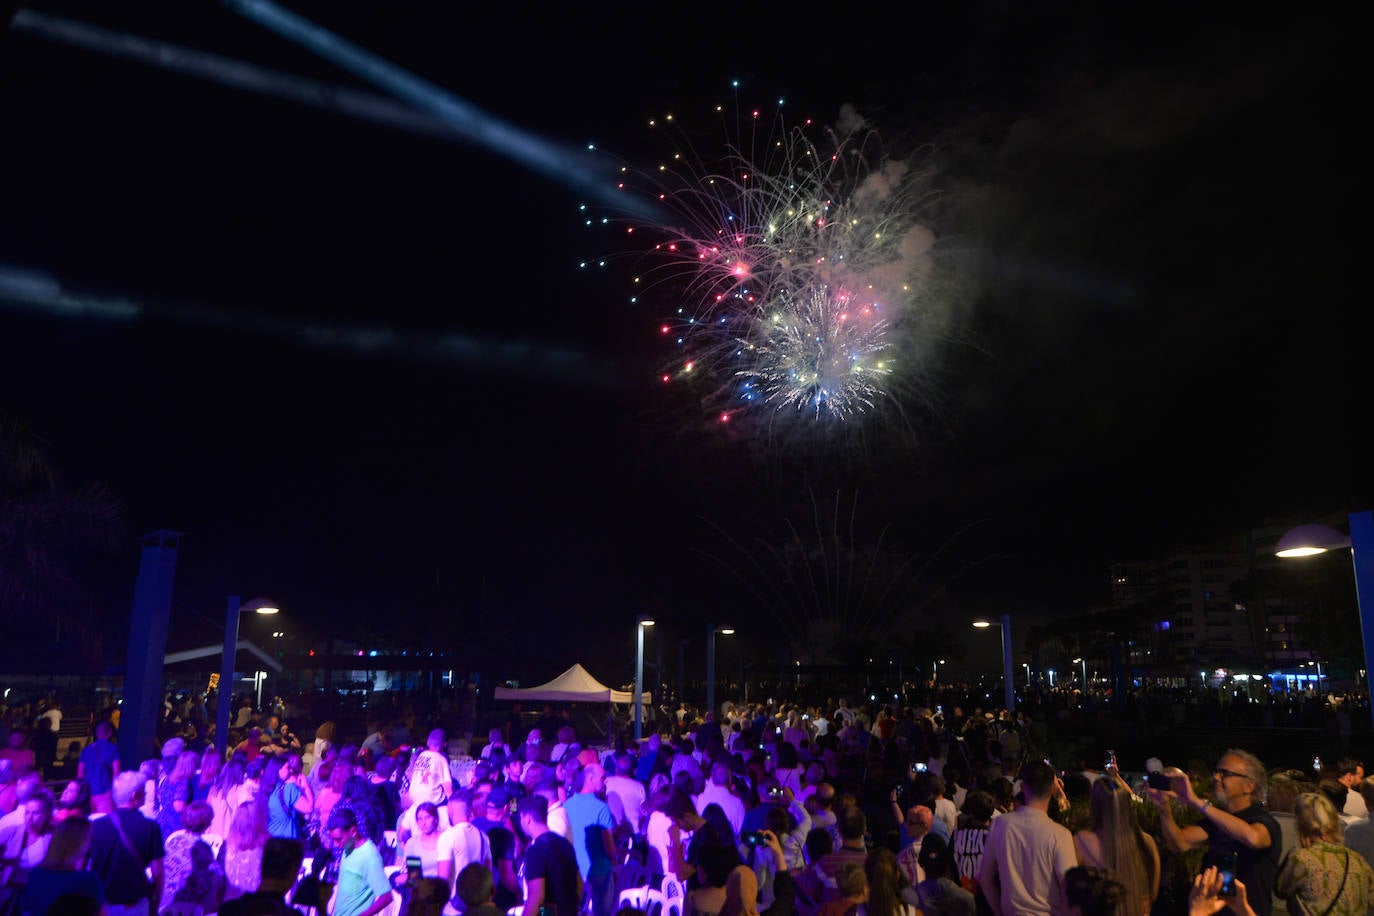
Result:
{"points": [[645, 899]]}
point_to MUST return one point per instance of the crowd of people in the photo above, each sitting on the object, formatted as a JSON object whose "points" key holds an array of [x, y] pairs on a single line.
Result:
{"points": [[778, 808]]}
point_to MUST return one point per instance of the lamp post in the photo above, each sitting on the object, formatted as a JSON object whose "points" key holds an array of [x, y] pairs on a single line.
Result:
{"points": [[1007, 666], [935, 675], [1310, 540], [639, 674], [1084, 662], [711, 632], [233, 611]]}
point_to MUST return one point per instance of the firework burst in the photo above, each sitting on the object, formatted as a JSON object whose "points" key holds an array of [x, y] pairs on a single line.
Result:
{"points": [[794, 266]]}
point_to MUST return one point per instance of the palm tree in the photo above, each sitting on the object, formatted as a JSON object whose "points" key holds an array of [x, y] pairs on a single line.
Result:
{"points": [[44, 527]]}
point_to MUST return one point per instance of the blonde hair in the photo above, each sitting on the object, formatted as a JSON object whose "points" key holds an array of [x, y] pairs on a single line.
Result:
{"points": [[1125, 848], [1317, 819]]}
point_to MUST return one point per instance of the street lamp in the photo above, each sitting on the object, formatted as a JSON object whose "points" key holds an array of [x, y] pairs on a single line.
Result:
{"points": [[1310, 540], [1005, 627], [935, 675], [711, 632], [1084, 662], [232, 613], [639, 674]]}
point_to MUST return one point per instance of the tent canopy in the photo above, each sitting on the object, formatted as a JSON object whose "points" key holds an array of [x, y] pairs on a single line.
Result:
{"points": [[576, 685]]}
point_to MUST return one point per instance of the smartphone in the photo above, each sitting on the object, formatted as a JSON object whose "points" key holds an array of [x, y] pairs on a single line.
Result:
{"points": [[1317, 764], [414, 868], [1228, 874], [1111, 760], [1157, 781], [919, 767]]}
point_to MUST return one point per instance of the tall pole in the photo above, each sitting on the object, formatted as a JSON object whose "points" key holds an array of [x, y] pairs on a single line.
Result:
{"points": [[1007, 684], [226, 673], [1362, 557], [711, 669], [639, 680], [147, 653]]}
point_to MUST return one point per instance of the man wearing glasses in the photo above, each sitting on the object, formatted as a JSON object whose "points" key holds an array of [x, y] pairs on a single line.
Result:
{"points": [[1234, 820]]}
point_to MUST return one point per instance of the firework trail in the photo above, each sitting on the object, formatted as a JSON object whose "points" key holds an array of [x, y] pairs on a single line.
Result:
{"points": [[794, 265]]}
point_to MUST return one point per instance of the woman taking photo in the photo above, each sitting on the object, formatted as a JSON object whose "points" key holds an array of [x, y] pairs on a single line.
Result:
{"points": [[1321, 875], [290, 801], [1116, 843]]}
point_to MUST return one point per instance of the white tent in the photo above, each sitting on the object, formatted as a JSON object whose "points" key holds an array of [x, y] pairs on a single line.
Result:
{"points": [[576, 685]]}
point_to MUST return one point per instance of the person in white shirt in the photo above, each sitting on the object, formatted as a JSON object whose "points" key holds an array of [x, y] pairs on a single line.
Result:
{"points": [[495, 745], [1027, 855], [628, 790], [1350, 772], [717, 792], [459, 846]]}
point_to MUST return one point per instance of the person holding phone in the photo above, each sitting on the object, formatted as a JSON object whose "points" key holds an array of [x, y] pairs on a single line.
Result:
{"points": [[1234, 820], [1115, 841]]}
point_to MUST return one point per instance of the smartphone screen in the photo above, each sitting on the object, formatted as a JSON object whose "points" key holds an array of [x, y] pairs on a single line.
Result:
{"points": [[1228, 874]]}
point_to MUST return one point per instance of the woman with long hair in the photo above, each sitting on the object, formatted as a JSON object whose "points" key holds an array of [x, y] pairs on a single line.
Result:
{"points": [[254, 772], [658, 825], [324, 738], [789, 769], [885, 885], [210, 765], [75, 800], [1321, 875], [741, 893], [63, 869], [223, 794], [241, 854], [1116, 843], [335, 777], [424, 842], [174, 791], [26, 844], [290, 800]]}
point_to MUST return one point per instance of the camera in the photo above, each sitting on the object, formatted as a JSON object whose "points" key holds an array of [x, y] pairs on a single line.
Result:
{"points": [[919, 767], [1317, 765], [753, 838], [775, 791], [1157, 781], [899, 789], [1111, 760]]}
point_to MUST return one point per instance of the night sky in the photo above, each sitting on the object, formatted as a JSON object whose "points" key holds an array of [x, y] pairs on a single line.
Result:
{"points": [[1157, 222]]}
